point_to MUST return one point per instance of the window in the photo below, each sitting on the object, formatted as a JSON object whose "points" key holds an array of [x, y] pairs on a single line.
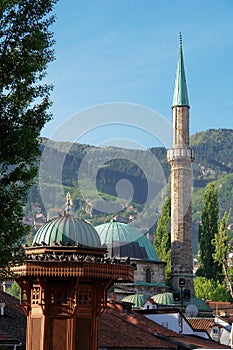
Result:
{"points": [[148, 275]]}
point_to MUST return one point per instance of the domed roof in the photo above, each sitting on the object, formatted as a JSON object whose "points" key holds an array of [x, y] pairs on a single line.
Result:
{"points": [[168, 300], [123, 240], [200, 304], [164, 299], [67, 230], [136, 299]]}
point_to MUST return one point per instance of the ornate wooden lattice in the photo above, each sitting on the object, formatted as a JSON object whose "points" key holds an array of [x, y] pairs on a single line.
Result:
{"points": [[36, 295], [85, 296], [58, 296]]}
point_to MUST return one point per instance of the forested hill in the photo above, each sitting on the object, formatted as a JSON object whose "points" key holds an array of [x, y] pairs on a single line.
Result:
{"points": [[213, 162], [214, 154]]}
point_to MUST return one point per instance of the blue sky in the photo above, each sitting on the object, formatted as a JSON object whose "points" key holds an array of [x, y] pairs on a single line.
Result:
{"points": [[126, 51]]}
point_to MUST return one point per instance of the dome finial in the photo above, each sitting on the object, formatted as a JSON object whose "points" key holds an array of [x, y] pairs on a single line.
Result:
{"points": [[68, 203], [180, 39]]}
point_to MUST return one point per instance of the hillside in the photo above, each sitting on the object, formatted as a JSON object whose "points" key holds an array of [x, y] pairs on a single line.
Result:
{"points": [[109, 167], [214, 150]]}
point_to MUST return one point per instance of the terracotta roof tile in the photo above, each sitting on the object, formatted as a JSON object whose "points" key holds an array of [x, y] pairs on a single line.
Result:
{"points": [[115, 332], [119, 329], [219, 308], [13, 322], [201, 323], [151, 300], [5, 338]]}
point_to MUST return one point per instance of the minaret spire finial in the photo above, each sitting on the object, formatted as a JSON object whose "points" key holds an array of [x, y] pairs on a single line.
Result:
{"points": [[180, 39], [180, 96]]}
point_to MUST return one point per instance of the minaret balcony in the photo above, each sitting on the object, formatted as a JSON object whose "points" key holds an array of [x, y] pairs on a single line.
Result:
{"points": [[175, 153]]}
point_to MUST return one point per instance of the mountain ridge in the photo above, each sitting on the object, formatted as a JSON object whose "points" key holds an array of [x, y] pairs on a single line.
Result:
{"points": [[213, 150]]}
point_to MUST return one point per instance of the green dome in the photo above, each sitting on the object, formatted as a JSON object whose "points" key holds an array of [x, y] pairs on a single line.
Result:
{"points": [[123, 240], [200, 304], [67, 230], [136, 299], [164, 299]]}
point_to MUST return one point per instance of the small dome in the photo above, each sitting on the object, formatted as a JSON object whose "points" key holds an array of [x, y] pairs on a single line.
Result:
{"points": [[67, 230], [164, 299], [123, 240], [136, 299], [200, 304]]}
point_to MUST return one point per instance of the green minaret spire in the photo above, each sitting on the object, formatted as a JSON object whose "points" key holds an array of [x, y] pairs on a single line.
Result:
{"points": [[180, 97]]}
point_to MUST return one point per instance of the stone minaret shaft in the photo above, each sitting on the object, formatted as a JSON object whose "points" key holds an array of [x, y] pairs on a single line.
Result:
{"points": [[180, 158]]}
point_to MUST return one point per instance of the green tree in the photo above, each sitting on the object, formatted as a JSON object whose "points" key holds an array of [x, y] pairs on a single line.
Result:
{"points": [[223, 245], [162, 239], [211, 290], [25, 51], [14, 290], [207, 229]]}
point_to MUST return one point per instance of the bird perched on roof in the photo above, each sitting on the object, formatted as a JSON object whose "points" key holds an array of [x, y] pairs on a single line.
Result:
{"points": [[78, 244], [68, 244], [127, 261]]}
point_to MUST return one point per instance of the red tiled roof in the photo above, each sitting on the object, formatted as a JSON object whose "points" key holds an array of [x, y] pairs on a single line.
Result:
{"points": [[5, 338], [201, 323], [203, 343], [120, 330], [151, 300], [124, 330], [219, 307], [13, 322], [117, 330]]}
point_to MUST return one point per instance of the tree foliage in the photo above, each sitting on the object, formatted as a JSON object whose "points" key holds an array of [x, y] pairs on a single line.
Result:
{"points": [[207, 230], [25, 51], [223, 246], [14, 290], [162, 239], [210, 289]]}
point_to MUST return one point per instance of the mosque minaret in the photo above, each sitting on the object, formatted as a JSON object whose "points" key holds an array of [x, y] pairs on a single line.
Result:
{"points": [[180, 157]]}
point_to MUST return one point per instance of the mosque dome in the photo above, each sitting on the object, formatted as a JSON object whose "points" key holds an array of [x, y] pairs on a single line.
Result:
{"points": [[136, 299], [164, 299], [202, 306], [67, 230], [123, 240]]}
